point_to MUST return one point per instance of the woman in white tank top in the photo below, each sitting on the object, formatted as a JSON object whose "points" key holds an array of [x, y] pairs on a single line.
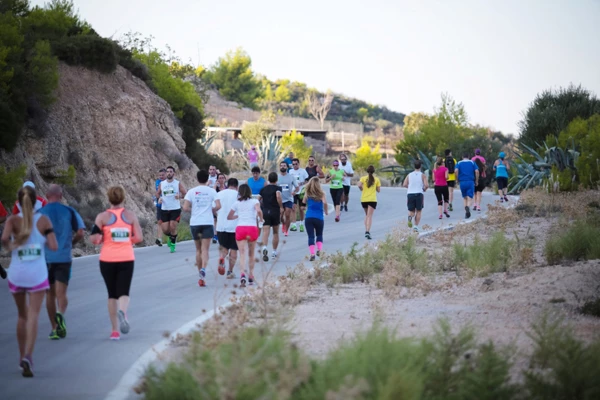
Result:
{"points": [[26, 235]]}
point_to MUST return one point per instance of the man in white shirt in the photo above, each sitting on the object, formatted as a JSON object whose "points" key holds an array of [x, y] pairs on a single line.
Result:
{"points": [[416, 182], [169, 194], [199, 200], [301, 177], [226, 228], [346, 166]]}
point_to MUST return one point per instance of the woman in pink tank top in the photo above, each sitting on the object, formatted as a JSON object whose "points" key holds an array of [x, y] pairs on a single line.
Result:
{"points": [[440, 181], [117, 230]]}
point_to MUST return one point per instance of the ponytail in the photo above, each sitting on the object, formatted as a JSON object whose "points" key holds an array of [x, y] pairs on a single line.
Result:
{"points": [[371, 179], [27, 198]]}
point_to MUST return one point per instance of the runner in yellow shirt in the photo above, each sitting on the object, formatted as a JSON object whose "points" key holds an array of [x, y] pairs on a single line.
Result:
{"points": [[369, 185]]}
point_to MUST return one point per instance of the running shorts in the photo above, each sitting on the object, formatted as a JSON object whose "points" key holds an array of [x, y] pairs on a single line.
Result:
{"points": [[117, 277], [441, 194], [414, 201], [288, 204], [502, 183], [202, 232], [158, 214], [170, 215], [366, 204], [227, 240], [481, 186], [59, 272], [272, 217], [467, 188], [298, 200], [249, 233], [346, 190], [451, 184], [336, 196], [37, 288]]}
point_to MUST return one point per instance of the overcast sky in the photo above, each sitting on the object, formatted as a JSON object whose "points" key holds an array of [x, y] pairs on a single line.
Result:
{"points": [[493, 56]]}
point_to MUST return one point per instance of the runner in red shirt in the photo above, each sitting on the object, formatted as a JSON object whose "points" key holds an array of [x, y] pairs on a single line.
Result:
{"points": [[41, 202]]}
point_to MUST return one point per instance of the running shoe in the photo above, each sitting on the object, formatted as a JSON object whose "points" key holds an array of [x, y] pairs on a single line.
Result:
{"points": [[312, 257], [265, 253], [506, 198], [410, 224], [221, 268], [301, 227], [230, 275], [318, 253], [123, 323], [2, 272], [441, 216], [202, 280], [337, 218], [53, 335], [478, 208], [346, 207], [501, 199], [368, 235], [274, 255], [467, 212], [158, 242], [251, 280], [416, 229], [27, 366], [61, 325], [215, 239], [243, 280], [293, 228], [115, 336], [450, 207], [446, 214], [475, 208], [286, 233]]}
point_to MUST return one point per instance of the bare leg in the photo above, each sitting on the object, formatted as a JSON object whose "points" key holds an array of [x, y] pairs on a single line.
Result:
{"points": [[123, 303], [233, 255], [265, 234], [112, 314], [159, 229], [51, 305], [205, 245], [275, 237], [61, 297], [198, 244], [21, 302], [418, 217], [337, 210], [251, 260], [173, 227], [369, 218], [33, 313], [242, 244]]}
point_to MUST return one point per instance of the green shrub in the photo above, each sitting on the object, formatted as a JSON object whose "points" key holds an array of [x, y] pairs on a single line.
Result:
{"points": [[10, 183], [66, 177], [591, 307], [90, 51], [485, 257], [580, 241]]}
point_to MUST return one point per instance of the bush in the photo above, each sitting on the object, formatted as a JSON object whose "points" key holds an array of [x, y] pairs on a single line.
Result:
{"points": [[366, 156], [294, 142], [581, 241], [10, 183], [66, 177], [592, 308], [90, 51]]}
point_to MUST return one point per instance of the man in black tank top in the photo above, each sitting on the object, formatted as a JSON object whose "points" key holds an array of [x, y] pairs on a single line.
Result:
{"points": [[313, 169]]}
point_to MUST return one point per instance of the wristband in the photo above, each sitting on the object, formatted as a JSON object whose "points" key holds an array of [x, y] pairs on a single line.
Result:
{"points": [[96, 230], [48, 231]]}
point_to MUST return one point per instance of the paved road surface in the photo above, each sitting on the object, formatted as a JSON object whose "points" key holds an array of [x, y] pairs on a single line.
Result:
{"points": [[164, 296]]}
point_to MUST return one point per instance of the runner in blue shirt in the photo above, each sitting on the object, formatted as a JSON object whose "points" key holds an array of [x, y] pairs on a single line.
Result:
{"points": [[65, 221], [467, 174], [162, 175]]}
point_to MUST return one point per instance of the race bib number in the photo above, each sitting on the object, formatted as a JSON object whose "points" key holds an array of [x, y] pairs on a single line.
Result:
{"points": [[255, 196], [29, 252], [285, 188], [169, 191], [336, 182], [119, 234]]}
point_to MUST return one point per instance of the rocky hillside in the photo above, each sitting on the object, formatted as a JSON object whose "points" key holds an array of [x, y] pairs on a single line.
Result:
{"points": [[114, 131]]}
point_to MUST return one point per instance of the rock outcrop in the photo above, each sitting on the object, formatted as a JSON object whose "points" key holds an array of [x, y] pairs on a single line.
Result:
{"points": [[115, 131]]}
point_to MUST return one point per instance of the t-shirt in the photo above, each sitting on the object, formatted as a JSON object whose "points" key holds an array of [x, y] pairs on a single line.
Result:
{"points": [[300, 175], [211, 181], [482, 172], [288, 161], [65, 220], [466, 170], [337, 178], [268, 195], [3, 212], [227, 198], [369, 194], [348, 169], [252, 156], [246, 212], [39, 203], [287, 184], [202, 198], [439, 176], [257, 185]]}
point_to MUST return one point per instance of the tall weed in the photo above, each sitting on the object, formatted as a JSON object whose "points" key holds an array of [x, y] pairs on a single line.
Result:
{"points": [[580, 241]]}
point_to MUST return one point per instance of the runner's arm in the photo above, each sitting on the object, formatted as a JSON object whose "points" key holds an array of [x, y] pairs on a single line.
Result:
{"points": [[325, 206], [6, 234], [320, 172], [231, 215], [182, 189], [279, 201], [159, 192], [259, 212], [378, 188], [360, 185], [187, 205], [96, 238], [447, 175], [138, 234], [425, 183], [405, 183], [217, 206]]}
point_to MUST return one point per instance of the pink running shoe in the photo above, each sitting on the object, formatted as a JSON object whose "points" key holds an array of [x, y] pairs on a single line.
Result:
{"points": [[115, 336]]}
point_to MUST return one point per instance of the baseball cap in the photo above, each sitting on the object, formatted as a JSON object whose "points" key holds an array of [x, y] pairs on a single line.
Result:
{"points": [[501, 155], [477, 151], [29, 183], [253, 147]]}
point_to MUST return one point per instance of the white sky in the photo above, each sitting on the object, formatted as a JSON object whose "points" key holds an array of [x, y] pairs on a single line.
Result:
{"points": [[494, 56]]}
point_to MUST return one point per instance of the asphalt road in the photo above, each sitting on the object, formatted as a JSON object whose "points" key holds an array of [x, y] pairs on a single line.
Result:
{"points": [[164, 296]]}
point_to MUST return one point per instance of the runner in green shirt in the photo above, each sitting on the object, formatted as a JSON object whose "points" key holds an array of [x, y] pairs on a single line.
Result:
{"points": [[336, 188]]}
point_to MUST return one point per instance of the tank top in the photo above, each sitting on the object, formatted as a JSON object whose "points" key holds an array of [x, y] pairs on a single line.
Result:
{"points": [[314, 209], [311, 171], [415, 182], [501, 171], [28, 261], [116, 244], [337, 178], [168, 192], [439, 176]]}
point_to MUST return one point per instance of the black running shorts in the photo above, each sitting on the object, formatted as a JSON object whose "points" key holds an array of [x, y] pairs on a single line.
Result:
{"points": [[170, 215], [414, 201], [366, 204], [202, 232], [59, 272], [451, 184], [272, 217], [227, 240]]}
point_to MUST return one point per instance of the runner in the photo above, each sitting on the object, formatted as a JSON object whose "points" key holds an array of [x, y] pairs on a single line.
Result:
{"points": [[3, 216], [315, 221], [256, 182], [288, 160], [226, 228], [314, 169], [253, 157], [336, 189], [288, 190], [117, 230], [213, 174], [301, 177], [26, 235], [199, 201], [162, 175], [440, 182], [480, 161], [468, 177], [416, 182], [169, 194], [247, 211], [346, 166], [272, 208], [221, 183], [39, 202], [501, 167], [450, 164], [369, 185], [65, 221]]}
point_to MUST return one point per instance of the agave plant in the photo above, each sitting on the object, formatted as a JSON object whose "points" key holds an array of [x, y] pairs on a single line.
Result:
{"points": [[269, 155], [536, 173]]}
